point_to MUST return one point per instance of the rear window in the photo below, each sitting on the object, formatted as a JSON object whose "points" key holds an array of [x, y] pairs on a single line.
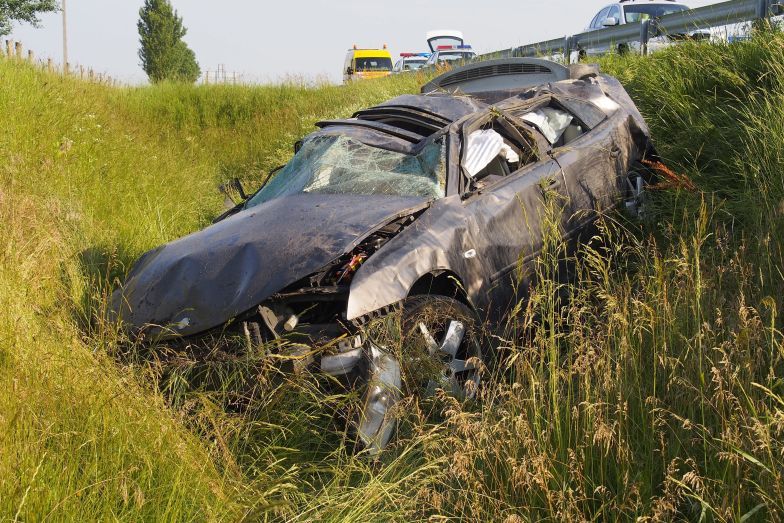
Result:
{"points": [[413, 64], [373, 64], [639, 13], [455, 55]]}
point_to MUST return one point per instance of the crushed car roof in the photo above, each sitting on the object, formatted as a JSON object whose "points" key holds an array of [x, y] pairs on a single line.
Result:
{"points": [[447, 106]]}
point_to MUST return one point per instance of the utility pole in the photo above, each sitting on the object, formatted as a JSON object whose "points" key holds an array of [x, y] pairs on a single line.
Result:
{"points": [[65, 40]]}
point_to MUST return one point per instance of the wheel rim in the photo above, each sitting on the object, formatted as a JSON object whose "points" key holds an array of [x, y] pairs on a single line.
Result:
{"points": [[458, 357], [460, 374], [635, 187]]}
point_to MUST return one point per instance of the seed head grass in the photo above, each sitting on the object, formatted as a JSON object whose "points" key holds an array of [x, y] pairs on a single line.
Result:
{"points": [[643, 383]]}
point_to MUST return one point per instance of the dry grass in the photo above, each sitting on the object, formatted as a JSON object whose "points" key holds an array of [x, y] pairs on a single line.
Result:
{"points": [[653, 393]]}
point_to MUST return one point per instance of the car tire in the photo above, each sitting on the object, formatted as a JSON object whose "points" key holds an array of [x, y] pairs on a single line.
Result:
{"points": [[440, 347]]}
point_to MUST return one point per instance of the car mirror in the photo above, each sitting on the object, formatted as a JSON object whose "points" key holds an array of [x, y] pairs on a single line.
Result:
{"points": [[234, 192], [610, 21]]}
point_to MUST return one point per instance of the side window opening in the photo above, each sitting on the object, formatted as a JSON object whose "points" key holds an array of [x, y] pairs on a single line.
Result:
{"points": [[497, 150], [495, 170], [558, 125]]}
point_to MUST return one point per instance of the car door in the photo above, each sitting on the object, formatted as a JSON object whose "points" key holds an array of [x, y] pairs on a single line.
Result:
{"points": [[505, 213], [590, 166]]}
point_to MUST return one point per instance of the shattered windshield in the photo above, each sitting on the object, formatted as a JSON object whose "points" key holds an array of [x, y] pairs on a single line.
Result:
{"points": [[342, 165], [638, 13]]}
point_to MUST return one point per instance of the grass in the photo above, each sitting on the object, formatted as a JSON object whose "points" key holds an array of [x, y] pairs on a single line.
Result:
{"points": [[655, 392]]}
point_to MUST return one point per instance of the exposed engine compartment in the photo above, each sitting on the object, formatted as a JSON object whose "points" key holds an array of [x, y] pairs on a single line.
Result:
{"points": [[308, 313]]}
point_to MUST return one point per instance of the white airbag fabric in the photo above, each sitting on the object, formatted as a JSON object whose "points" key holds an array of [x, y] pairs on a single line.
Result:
{"points": [[510, 154], [551, 121], [483, 147]]}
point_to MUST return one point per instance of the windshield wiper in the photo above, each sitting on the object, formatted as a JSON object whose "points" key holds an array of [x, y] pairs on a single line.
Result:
{"points": [[272, 173]]}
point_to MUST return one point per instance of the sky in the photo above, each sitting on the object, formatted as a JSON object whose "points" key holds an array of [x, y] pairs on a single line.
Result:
{"points": [[266, 41]]}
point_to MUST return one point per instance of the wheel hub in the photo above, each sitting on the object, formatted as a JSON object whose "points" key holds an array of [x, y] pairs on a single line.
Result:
{"points": [[458, 374]]}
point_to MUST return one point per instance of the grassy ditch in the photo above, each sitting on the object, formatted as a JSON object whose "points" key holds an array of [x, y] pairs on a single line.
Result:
{"points": [[655, 392]]}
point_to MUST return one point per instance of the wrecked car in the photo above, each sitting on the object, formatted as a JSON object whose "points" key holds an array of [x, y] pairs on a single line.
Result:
{"points": [[430, 205]]}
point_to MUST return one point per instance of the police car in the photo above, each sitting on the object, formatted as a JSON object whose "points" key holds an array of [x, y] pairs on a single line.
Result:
{"points": [[448, 47], [410, 62]]}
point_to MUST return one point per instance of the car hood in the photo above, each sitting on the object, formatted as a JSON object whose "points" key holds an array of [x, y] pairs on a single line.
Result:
{"points": [[207, 278]]}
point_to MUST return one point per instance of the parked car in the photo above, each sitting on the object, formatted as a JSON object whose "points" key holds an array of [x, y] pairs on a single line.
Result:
{"points": [[366, 64], [410, 62], [635, 11], [429, 206], [448, 46], [449, 37], [454, 55]]}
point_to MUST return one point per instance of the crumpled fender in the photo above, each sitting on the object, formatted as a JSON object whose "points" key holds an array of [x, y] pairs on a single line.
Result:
{"points": [[371, 291], [203, 280], [435, 242]]}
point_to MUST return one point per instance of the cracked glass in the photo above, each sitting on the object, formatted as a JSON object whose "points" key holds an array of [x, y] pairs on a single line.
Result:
{"points": [[342, 165]]}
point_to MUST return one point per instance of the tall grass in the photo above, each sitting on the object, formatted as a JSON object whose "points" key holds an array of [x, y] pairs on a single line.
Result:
{"points": [[654, 392], [91, 177]]}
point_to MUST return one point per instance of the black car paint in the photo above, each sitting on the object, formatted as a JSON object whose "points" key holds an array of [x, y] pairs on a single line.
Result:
{"points": [[480, 235]]}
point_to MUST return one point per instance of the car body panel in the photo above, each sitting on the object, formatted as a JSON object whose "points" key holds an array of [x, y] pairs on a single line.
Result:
{"points": [[449, 108], [588, 174], [203, 280], [485, 233], [448, 36], [499, 75]]}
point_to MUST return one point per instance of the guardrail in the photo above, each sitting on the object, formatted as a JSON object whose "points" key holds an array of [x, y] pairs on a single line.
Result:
{"points": [[703, 18]]}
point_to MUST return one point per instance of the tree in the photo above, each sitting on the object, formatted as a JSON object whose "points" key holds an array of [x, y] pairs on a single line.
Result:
{"points": [[164, 54], [23, 11]]}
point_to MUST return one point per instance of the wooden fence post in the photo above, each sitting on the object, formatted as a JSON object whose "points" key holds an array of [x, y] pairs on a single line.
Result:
{"points": [[9, 49], [18, 46], [49, 65], [66, 68], [30, 56], [90, 74], [81, 72]]}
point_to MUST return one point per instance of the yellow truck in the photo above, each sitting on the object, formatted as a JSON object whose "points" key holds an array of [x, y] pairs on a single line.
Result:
{"points": [[364, 64]]}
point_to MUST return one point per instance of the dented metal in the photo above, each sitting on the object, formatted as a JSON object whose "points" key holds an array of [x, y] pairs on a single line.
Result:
{"points": [[322, 264]]}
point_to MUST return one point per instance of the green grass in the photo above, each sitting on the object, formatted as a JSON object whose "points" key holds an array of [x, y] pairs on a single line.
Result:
{"points": [[656, 392]]}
